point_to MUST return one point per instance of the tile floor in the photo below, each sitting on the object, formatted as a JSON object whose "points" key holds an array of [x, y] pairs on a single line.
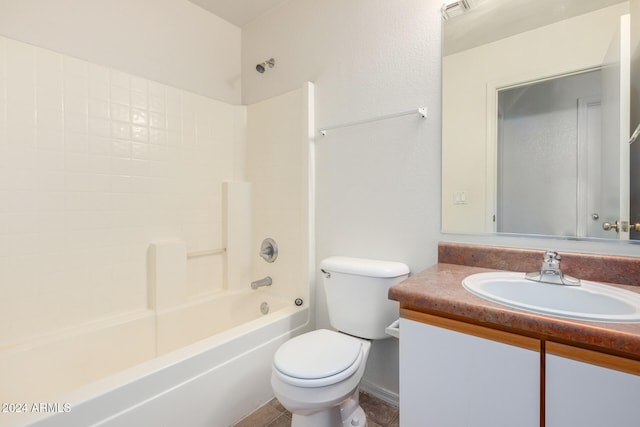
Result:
{"points": [[273, 414]]}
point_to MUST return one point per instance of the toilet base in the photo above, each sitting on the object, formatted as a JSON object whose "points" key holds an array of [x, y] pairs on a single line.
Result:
{"points": [[347, 414], [335, 405], [356, 419]]}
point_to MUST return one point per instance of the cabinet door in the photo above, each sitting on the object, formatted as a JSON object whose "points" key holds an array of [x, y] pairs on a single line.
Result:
{"points": [[452, 379], [585, 395]]}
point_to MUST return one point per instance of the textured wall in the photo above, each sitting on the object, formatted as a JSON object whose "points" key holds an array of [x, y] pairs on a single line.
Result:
{"points": [[378, 184]]}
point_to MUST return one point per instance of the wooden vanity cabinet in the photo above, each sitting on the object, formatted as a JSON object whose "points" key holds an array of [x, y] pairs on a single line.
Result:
{"points": [[456, 374], [453, 374]]}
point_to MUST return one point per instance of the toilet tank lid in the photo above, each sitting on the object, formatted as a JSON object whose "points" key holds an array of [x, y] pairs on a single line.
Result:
{"points": [[364, 267]]}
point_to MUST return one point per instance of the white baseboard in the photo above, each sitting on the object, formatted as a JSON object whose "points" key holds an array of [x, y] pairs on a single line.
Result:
{"points": [[381, 393]]}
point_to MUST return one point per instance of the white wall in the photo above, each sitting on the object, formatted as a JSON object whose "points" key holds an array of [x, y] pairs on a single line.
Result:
{"points": [[378, 185], [170, 41], [635, 62], [635, 111]]}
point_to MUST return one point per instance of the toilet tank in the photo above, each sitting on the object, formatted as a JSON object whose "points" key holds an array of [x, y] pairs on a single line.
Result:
{"points": [[356, 291]]}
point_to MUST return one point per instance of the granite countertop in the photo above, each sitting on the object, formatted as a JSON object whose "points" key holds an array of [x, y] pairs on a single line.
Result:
{"points": [[438, 290]]}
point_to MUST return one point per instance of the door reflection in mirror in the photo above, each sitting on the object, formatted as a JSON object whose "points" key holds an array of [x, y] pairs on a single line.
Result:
{"points": [[550, 157]]}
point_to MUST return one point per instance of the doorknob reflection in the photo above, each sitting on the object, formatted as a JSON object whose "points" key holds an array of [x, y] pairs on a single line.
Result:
{"points": [[607, 226], [623, 225]]}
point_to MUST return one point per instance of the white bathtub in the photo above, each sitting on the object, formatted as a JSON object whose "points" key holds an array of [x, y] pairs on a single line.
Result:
{"points": [[205, 363]]}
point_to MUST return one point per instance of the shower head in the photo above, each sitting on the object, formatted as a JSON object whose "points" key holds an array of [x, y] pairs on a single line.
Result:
{"points": [[261, 67]]}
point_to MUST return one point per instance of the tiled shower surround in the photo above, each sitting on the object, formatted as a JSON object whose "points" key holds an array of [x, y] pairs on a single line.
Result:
{"points": [[94, 164]]}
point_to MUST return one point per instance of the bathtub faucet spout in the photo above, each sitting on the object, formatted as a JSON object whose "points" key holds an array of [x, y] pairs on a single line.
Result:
{"points": [[262, 282]]}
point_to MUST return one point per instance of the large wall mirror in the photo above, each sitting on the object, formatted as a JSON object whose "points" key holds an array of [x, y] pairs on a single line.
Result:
{"points": [[538, 111]]}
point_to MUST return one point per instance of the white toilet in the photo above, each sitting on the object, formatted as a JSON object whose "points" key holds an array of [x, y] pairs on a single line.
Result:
{"points": [[316, 375]]}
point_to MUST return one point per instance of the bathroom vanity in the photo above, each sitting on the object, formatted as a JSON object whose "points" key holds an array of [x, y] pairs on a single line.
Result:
{"points": [[466, 361]]}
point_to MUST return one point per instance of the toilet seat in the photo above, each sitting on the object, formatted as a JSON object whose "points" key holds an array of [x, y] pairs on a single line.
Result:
{"points": [[318, 358]]}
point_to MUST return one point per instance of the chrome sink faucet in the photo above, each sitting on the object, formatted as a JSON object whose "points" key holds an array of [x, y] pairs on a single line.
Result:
{"points": [[551, 273]]}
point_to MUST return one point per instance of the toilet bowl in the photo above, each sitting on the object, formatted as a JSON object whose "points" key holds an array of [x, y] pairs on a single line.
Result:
{"points": [[316, 375]]}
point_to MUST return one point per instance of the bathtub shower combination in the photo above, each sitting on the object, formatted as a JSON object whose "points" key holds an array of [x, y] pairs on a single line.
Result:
{"points": [[202, 361], [205, 361], [130, 303]]}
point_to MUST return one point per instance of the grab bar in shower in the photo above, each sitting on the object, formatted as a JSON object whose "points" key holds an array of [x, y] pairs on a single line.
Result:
{"points": [[208, 252], [422, 112]]}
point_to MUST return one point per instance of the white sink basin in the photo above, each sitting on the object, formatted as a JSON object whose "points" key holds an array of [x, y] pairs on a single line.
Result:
{"points": [[589, 301]]}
